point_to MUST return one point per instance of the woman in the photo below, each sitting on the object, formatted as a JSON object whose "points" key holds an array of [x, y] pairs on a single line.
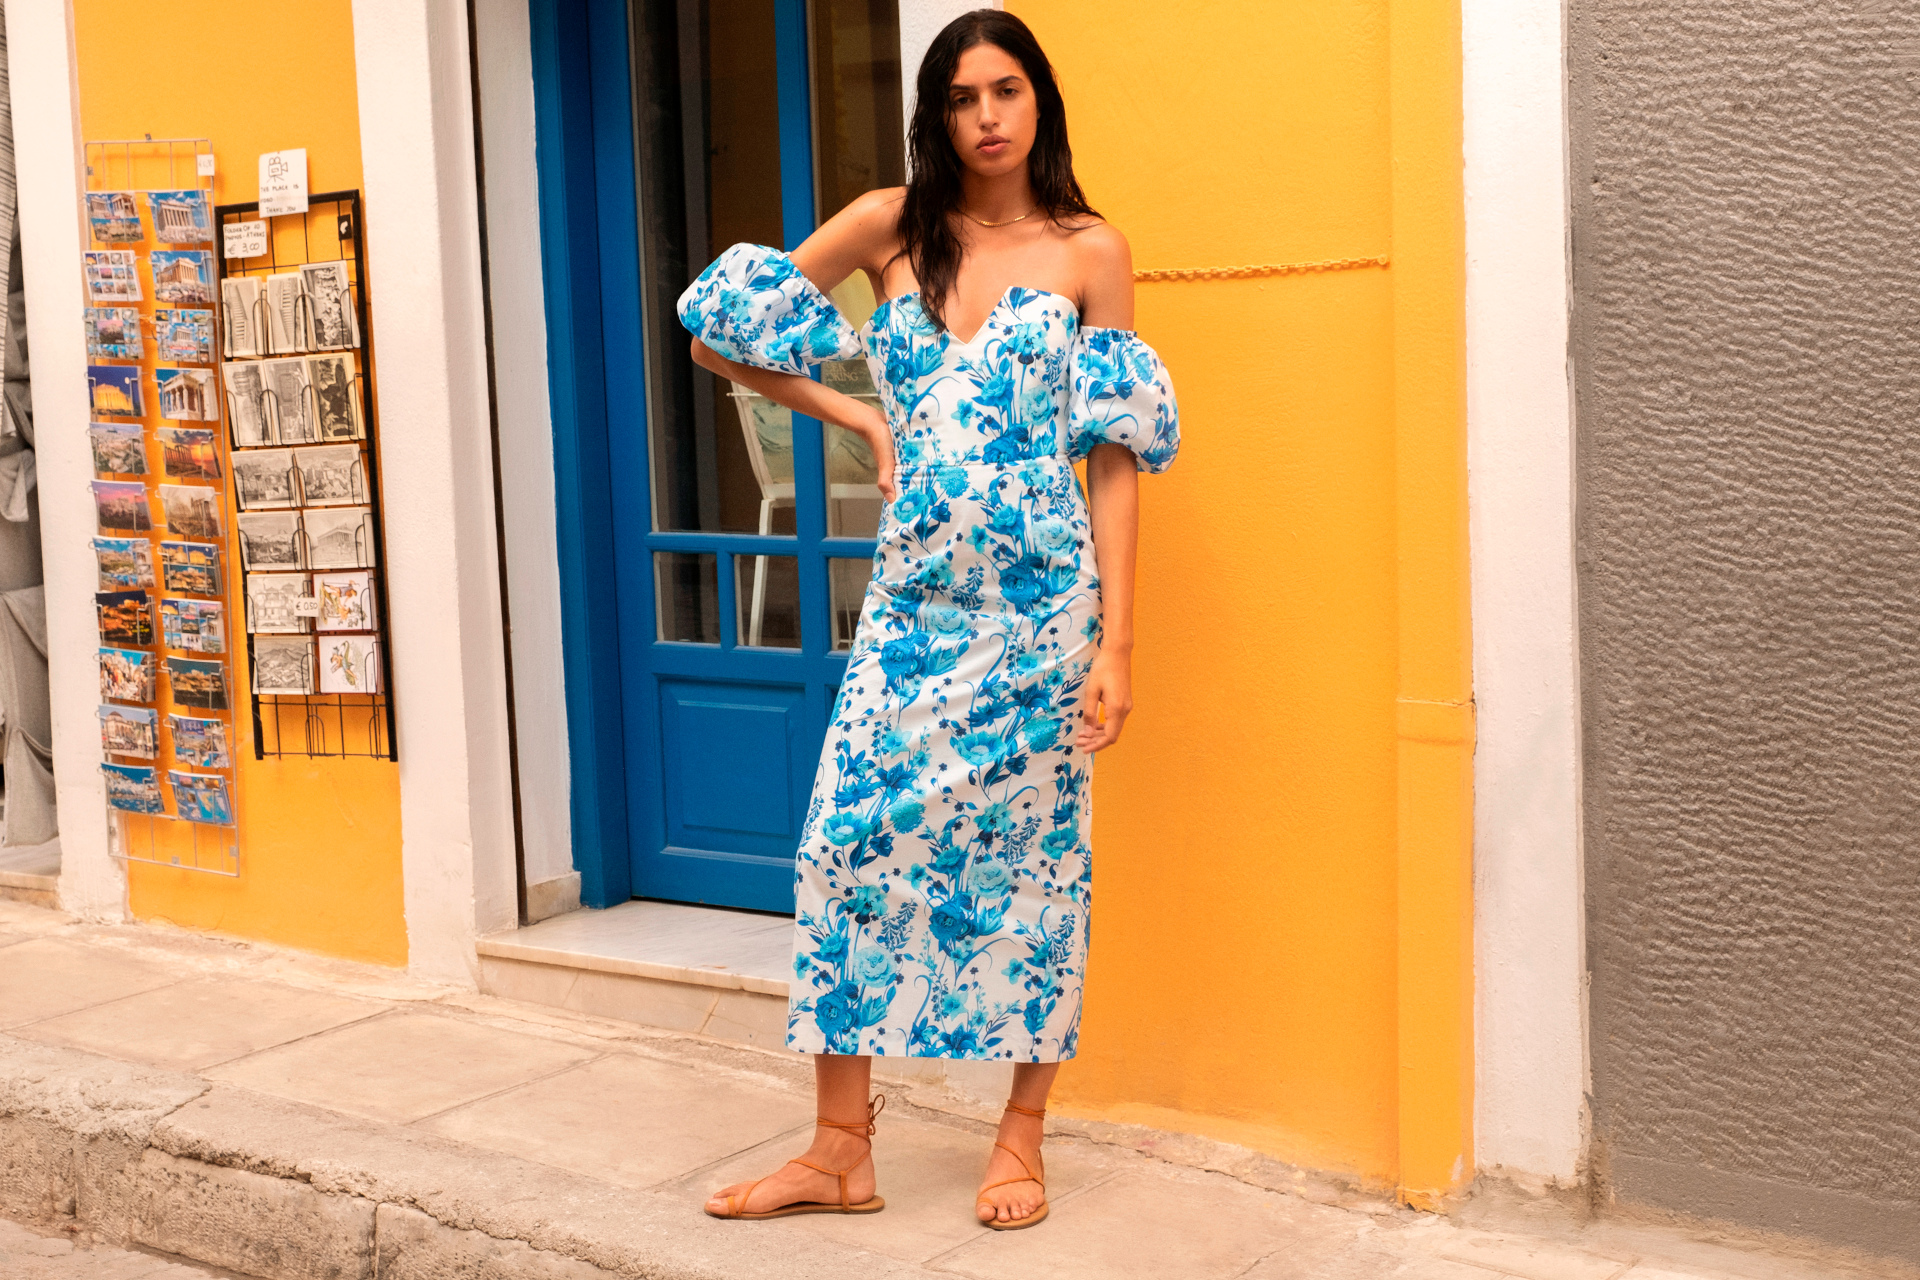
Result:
{"points": [[944, 871]]}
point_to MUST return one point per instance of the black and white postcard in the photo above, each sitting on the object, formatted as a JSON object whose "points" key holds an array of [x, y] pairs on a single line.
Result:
{"points": [[193, 626], [134, 788], [121, 506], [201, 797], [287, 314], [200, 743], [330, 475], [184, 337], [269, 539], [114, 391], [349, 664], [246, 403], [263, 478], [336, 396], [180, 217], [282, 664], [192, 568], [126, 618], [113, 277], [288, 394], [330, 300], [198, 682], [126, 564], [130, 731], [188, 453], [115, 217], [126, 675], [240, 304], [187, 395], [346, 600], [193, 512], [273, 602], [119, 448], [339, 538], [183, 277], [113, 333]]}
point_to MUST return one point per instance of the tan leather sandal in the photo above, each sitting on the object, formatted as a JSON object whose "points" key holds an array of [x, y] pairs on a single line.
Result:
{"points": [[1038, 1215], [737, 1203]]}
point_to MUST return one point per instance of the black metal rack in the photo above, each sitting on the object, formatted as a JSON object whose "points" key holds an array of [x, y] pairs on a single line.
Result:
{"points": [[313, 723]]}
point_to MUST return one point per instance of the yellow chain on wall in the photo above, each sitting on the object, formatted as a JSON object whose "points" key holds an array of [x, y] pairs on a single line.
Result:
{"points": [[1262, 269]]}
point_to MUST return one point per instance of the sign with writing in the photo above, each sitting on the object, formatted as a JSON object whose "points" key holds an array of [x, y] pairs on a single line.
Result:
{"points": [[283, 182], [206, 164], [244, 239], [306, 606]]}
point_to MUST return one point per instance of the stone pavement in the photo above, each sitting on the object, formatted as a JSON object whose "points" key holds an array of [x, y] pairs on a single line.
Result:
{"points": [[279, 1115]]}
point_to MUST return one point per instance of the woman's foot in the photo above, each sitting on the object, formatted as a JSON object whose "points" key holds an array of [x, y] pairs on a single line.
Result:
{"points": [[793, 1183], [1021, 1199]]}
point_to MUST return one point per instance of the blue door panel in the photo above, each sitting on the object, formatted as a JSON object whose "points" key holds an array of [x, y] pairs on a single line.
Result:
{"points": [[731, 775]]}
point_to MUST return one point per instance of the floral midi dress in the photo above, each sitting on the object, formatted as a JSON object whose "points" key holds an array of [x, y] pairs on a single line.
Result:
{"points": [[945, 878]]}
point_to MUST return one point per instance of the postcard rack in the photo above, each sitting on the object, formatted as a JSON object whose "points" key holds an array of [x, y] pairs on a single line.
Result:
{"points": [[306, 472], [149, 604]]}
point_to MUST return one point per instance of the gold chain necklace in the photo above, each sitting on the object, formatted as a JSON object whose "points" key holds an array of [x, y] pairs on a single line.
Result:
{"points": [[1009, 222]]}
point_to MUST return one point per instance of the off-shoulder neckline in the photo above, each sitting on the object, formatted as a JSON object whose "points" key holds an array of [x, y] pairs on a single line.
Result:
{"points": [[1000, 302]]}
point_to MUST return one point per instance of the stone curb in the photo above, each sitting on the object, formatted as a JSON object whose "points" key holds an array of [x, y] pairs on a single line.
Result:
{"points": [[282, 1191]]}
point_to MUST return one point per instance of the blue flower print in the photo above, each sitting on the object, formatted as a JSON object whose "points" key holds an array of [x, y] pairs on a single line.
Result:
{"points": [[907, 816], [1052, 534], [989, 879], [981, 748], [867, 903], [754, 306], [843, 828], [874, 966], [947, 620]]}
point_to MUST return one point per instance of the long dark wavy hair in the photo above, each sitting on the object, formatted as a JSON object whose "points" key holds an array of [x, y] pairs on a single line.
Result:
{"points": [[933, 183]]}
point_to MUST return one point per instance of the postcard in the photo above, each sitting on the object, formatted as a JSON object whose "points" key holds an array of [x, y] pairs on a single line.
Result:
{"points": [[126, 564], [201, 797], [126, 675], [336, 397], [287, 394], [121, 506], [346, 601], [115, 390], [119, 448], [240, 301], [133, 787], [350, 664], [184, 337], [282, 664], [200, 743], [126, 618], [339, 538], [336, 322], [112, 276], [269, 539], [263, 478], [246, 403], [182, 277], [273, 602], [191, 567], [193, 511], [187, 394], [289, 326], [193, 626], [115, 217], [197, 682], [188, 453], [130, 731], [330, 474], [180, 217], [113, 333]]}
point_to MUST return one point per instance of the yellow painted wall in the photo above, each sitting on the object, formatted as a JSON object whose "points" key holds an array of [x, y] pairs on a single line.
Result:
{"points": [[1281, 951], [320, 839]]}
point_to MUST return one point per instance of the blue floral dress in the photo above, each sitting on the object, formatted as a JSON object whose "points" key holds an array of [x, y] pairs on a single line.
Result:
{"points": [[945, 878]]}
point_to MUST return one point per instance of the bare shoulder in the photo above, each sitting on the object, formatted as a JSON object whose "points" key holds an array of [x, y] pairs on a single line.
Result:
{"points": [[877, 217], [1103, 261], [1100, 246], [861, 237]]}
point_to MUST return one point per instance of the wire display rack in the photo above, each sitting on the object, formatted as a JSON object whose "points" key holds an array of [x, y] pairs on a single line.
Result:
{"points": [[282, 318]]}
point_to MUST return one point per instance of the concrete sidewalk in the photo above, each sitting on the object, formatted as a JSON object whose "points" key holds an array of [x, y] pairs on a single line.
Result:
{"points": [[285, 1116]]}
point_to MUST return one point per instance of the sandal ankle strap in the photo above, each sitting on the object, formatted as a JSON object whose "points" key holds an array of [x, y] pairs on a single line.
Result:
{"points": [[1028, 1111], [863, 1128]]}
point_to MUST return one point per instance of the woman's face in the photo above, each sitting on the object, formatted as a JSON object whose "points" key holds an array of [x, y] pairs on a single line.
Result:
{"points": [[992, 112]]}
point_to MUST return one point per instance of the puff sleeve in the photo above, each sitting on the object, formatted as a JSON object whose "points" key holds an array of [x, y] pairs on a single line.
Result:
{"points": [[1121, 394], [754, 306]]}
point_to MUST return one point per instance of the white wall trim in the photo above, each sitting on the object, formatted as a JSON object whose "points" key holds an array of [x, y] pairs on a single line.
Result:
{"points": [[50, 163], [1528, 892], [521, 393], [436, 468], [920, 22]]}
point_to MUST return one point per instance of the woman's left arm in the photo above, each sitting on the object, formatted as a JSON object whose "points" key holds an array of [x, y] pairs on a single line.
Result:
{"points": [[1113, 491]]}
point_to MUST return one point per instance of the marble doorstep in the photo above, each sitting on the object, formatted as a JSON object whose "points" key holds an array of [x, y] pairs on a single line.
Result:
{"points": [[32, 870], [668, 942]]}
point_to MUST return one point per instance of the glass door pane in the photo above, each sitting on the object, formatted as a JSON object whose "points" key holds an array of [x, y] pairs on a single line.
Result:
{"points": [[858, 127]]}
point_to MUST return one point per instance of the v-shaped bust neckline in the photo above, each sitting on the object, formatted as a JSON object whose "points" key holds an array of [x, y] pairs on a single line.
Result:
{"points": [[991, 312]]}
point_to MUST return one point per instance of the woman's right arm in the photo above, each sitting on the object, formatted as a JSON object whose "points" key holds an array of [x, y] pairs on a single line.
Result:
{"points": [[860, 237]]}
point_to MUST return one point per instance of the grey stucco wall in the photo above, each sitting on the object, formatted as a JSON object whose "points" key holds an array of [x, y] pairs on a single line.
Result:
{"points": [[1746, 201]]}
